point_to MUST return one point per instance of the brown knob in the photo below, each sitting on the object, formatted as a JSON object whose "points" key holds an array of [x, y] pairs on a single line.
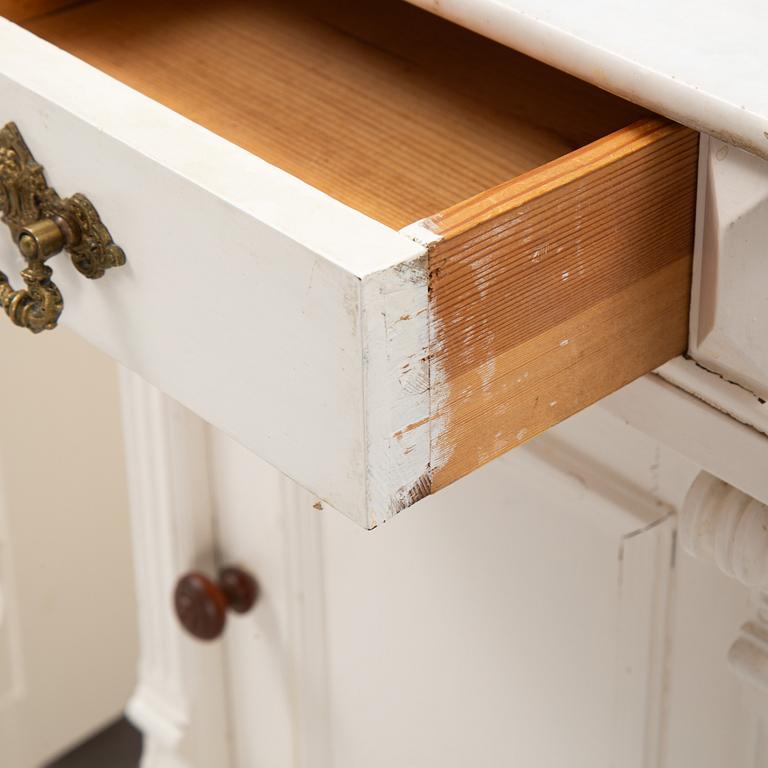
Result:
{"points": [[201, 603]]}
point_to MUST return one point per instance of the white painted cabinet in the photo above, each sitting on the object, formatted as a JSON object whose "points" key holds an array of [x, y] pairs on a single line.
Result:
{"points": [[540, 611], [367, 253]]}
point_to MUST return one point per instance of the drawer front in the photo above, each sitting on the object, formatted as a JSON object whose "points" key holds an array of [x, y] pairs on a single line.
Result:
{"points": [[241, 293]]}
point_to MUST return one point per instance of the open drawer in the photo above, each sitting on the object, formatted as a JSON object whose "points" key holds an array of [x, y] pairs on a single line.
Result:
{"points": [[375, 248]]}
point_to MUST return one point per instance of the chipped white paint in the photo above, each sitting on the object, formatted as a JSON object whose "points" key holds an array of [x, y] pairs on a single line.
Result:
{"points": [[421, 232], [395, 318], [440, 451], [705, 69], [486, 371]]}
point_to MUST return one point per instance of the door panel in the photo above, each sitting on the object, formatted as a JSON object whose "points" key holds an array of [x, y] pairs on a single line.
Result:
{"points": [[546, 620], [476, 641]]}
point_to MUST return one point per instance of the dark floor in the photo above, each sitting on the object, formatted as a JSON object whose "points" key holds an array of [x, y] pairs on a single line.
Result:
{"points": [[118, 746]]}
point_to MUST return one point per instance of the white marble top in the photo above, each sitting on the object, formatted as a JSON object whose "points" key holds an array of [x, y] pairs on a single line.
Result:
{"points": [[700, 62]]}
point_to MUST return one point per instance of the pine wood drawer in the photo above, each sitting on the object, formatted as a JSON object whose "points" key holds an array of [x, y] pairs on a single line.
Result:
{"points": [[375, 248]]}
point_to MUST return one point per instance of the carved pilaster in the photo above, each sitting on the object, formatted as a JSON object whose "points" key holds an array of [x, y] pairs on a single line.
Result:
{"points": [[722, 524], [179, 703]]}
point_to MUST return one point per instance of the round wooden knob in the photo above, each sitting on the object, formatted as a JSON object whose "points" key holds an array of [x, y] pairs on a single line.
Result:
{"points": [[201, 603]]}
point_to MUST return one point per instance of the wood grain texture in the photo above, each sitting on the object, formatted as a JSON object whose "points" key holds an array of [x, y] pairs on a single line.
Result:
{"points": [[557, 288], [23, 10], [385, 107]]}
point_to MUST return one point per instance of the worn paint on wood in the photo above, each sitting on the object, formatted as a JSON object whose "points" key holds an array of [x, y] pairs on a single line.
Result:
{"points": [[557, 288], [396, 369]]}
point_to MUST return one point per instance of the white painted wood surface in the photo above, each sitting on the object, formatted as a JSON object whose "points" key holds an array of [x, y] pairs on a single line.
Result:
{"points": [[729, 308], [722, 524], [722, 445], [702, 64], [711, 388], [549, 592], [470, 638], [68, 644], [244, 295], [277, 676]]}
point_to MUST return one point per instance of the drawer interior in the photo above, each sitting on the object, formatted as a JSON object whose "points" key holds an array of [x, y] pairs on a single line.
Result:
{"points": [[385, 107]]}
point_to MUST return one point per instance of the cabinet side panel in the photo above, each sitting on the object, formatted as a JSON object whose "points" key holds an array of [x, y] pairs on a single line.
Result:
{"points": [[551, 291]]}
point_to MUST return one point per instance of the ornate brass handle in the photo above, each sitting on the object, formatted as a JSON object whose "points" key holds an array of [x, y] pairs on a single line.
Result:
{"points": [[42, 224]]}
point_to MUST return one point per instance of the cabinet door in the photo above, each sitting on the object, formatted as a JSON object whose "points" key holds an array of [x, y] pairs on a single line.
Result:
{"points": [[67, 615], [537, 613]]}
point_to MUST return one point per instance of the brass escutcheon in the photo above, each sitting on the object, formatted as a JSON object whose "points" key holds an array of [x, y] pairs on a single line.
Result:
{"points": [[43, 224]]}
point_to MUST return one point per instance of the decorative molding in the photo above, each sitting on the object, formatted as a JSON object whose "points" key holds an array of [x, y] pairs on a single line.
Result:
{"points": [[712, 389], [180, 701], [748, 655], [720, 523], [646, 603], [716, 442], [727, 322]]}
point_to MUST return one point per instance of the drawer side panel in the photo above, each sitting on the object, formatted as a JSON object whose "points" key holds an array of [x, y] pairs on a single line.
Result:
{"points": [[551, 291]]}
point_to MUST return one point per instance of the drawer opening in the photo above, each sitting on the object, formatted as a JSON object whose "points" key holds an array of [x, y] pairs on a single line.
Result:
{"points": [[546, 259], [381, 105]]}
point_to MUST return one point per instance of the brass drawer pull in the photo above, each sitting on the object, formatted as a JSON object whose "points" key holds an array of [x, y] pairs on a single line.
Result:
{"points": [[42, 224]]}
